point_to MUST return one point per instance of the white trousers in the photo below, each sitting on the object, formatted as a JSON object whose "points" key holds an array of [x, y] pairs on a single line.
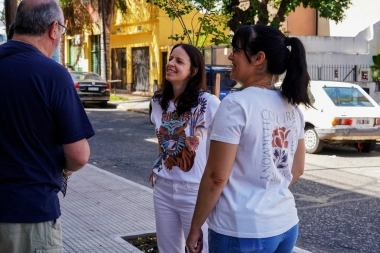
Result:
{"points": [[174, 203]]}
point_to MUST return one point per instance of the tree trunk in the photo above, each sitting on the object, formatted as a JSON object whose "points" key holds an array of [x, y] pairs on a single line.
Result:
{"points": [[103, 57], [10, 7], [62, 51], [107, 51]]}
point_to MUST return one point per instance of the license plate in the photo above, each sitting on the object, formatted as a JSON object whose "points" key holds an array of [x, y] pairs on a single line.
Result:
{"points": [[93, 88], [362, 121]]}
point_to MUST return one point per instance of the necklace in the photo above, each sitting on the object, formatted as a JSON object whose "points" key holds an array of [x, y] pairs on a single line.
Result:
{"points": [[267, 86]]}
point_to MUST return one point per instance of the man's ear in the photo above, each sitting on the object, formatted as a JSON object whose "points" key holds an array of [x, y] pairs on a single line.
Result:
{"points": [[54, 31]]}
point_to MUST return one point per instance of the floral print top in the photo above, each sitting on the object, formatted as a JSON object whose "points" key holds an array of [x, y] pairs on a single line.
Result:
{"points": [[182, 139]]}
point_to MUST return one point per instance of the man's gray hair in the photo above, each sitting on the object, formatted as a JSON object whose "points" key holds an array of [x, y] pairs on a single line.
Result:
{"points": [[36, 18]]}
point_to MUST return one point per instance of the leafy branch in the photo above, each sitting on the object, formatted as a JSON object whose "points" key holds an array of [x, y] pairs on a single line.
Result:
{"points": [[207, 25]]}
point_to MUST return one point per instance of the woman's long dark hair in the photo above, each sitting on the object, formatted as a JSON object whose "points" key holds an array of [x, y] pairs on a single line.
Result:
{"points": [[255, 38], [195, 86]]}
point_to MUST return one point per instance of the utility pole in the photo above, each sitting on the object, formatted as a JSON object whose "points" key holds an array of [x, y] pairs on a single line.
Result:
{"points": [[10, 8]]}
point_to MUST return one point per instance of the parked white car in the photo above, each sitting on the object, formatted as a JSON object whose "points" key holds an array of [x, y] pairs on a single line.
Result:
{"points": [[342, 113]]}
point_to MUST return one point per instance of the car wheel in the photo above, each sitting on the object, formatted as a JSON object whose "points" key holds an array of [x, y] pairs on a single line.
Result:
{"points": [[366, 146], [103, 104], [313, 144]]}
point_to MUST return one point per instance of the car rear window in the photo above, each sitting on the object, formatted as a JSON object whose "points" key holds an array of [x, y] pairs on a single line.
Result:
{"points": [[347, 96], [84, 76]]}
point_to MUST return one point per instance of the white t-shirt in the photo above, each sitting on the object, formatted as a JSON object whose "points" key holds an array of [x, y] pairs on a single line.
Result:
{"points": [[256, 201], [182, 139]]}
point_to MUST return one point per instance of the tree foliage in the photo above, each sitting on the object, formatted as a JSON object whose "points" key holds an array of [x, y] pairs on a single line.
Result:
{"points": [[77, 17], [207, 24], [375, 68], [273, 12], [80, 19]]}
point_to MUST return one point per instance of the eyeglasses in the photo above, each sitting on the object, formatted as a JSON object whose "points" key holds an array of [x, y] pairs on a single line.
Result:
{"points": [[64, 28], [236, 50]]}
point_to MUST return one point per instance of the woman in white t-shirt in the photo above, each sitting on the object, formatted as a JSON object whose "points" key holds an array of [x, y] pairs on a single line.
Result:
{"points": [[256, 149], [181, 113]]}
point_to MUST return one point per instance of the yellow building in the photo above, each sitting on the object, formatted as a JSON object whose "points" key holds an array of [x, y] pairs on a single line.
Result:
{"points": [[140, 46]]}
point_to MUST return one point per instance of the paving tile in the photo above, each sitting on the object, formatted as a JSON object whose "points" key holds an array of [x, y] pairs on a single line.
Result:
{"points": [[100, 208]]}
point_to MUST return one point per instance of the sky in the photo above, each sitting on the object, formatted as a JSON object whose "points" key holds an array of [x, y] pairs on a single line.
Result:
{"points": [[359, 16]]}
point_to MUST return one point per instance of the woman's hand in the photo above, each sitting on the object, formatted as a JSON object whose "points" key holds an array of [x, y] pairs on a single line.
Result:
{"points": [[194, 242]]}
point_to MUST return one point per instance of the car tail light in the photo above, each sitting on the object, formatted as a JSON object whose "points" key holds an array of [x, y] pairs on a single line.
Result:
{"points": [[341, 121], [377, 121], [77, 86], [108, 87]]}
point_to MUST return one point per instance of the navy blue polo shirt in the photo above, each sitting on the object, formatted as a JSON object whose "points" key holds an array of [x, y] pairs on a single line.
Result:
{"points": [[39, 111]]}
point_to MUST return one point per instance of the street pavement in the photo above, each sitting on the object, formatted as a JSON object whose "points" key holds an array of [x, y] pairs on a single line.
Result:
{"points": [[101, 209]]}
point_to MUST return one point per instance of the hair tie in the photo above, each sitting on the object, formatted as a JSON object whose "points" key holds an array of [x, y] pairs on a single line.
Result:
{"points": [[287, 41]]}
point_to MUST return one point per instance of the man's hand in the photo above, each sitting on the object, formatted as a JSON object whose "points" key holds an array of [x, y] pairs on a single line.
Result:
{"points": [[194, 242]]}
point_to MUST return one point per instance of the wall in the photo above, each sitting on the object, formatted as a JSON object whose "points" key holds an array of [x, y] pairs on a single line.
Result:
{"points": [[343, 50], [356, 50], [301, 22]]}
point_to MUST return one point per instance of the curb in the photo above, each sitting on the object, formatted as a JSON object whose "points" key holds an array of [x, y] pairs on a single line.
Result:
{"points": [[137, 110], [298, 250]]}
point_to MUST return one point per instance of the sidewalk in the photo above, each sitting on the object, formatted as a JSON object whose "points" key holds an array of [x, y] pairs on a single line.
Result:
{"points": [[136, 103], [100, 208]]}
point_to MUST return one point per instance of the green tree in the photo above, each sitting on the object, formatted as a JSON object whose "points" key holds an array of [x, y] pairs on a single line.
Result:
{"points": [[205, 29], [259, 12], [375, 68], [81, 21]]}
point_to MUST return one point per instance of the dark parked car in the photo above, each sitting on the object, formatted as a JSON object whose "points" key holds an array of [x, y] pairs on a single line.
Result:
{"points": [[227, 85], [91, 88]]}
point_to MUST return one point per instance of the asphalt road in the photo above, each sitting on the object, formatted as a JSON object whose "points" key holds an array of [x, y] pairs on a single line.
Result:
{"points": [[338, 201], [120, 146], [338, 197]]}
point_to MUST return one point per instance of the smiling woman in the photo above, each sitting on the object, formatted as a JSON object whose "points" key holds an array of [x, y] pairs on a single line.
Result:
{"points": [[181, 112]]}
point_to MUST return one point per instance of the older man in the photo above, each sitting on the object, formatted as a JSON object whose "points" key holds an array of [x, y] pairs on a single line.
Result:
{"points": [[43, 131]]}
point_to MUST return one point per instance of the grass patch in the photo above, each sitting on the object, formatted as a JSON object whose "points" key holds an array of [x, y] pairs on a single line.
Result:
{"points": [[114, 97]]}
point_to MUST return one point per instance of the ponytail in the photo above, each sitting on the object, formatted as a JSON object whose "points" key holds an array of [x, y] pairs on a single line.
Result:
{"points": [[296, 81]]}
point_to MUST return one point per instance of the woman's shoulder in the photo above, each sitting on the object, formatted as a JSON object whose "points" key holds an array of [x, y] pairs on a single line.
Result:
{"points": [[157, 96], [208, 96]]}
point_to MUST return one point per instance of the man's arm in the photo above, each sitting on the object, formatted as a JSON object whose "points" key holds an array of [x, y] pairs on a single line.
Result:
{"points": [[76, 154]]}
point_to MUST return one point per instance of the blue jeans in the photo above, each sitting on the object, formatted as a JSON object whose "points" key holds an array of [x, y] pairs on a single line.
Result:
{"points": [[282, 243]]}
